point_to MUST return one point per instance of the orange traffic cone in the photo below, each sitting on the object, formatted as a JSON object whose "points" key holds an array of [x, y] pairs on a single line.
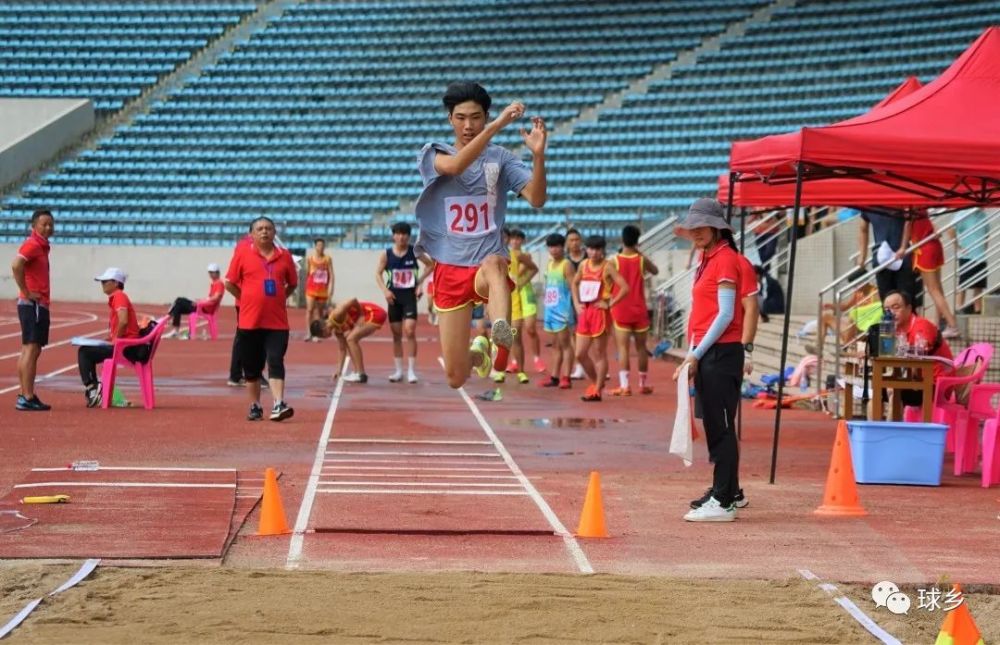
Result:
{"points": [[958, 627], [841, 495], [272, 512], [592, 517]]}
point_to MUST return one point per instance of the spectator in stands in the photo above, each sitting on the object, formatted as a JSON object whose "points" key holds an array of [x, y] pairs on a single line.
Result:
{"points": [[770, 295], [263, 276], [861, 310], [122, 323], [921, 334], [893, 230], [319, 284], [928, 260], [461, 210], [30, 270], [973, 236], [398, 275], [351, 321], [765, 231], [184, 306], [716, 356]]}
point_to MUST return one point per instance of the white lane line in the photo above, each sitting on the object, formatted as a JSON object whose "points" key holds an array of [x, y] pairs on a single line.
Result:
{"points": [[420, 469], [445, 484], [123, 485], [305, 508], [60, 343], [151, 469], [58, 326], [40, 378], [856, 613], [579, 557], [413, 454], [413, 491], [420, 441], [417, 476], [442, 462]]}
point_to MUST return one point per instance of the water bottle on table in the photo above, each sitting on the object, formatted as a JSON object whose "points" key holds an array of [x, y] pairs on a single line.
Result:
{"points": [[887, 335]]}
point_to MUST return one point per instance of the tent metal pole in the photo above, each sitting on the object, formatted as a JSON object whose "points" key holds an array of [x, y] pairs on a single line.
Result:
{"points": [[733, 176], [729, 200], [792, 232]]}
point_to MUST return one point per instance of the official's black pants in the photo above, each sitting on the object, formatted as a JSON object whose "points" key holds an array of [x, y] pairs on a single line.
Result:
{"points": [[717, 396]]}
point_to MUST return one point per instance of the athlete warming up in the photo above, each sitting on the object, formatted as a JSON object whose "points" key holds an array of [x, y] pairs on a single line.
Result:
{"points": [[351, 321], [461, 212]]}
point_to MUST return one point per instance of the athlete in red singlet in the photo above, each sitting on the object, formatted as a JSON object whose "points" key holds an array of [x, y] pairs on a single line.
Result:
{"points": [[350, 321], [630, 314]]}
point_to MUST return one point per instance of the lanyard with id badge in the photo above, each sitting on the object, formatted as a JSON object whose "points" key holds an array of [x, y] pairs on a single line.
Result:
{"points": [[270, 286]]}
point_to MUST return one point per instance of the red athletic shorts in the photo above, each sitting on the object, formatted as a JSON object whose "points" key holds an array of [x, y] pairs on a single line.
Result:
{"points": [[374, 315], [455, 287], [593, 321], [929, 257], [629, 317]]}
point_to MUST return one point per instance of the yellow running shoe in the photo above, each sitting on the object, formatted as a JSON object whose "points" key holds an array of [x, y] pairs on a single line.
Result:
{"points": [[481, 345]]}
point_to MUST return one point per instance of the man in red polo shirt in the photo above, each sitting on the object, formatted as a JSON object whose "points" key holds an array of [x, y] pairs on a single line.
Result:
{"points": [[30, 269], [921, 334], [261, 277]]}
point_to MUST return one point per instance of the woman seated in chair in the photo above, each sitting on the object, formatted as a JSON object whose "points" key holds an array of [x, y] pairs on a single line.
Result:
{"points": [[184, 306], [122, 323]]}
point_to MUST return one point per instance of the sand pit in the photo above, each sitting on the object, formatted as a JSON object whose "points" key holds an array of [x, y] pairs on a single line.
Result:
{"points": [[173, 605]]}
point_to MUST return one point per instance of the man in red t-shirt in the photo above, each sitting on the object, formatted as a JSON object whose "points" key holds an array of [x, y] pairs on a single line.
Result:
{"points": [[122, 323], [262, 276], [184, 306], [30, 269], [921, 334]]}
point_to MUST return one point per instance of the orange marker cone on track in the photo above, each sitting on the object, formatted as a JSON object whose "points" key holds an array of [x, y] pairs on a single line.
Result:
{"points": [[272, 511], [592, 517], [958, 627], [841, 495]]}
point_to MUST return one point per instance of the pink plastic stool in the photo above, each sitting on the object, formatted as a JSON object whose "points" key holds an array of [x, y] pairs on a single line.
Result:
{"points": [[209, 316], [143, 371]]}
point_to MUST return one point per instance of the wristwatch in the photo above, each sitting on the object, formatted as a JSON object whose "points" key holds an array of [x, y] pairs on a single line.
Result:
{"points": [[748, 348]]}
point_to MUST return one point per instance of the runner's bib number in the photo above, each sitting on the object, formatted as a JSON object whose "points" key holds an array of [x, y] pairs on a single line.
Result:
{"points": [[320, 276], [551, 296], [589, 290], [468, 216], [403, 279]]}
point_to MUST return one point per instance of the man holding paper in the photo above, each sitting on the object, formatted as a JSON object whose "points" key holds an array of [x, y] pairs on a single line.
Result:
{"points": [[891, 231]]}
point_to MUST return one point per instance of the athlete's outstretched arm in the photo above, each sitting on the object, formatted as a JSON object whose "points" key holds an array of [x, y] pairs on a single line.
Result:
{"points": [[535, 191], [457, 163]]}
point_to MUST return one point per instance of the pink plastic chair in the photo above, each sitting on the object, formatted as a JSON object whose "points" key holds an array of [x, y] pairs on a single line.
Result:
{"points": [[981, 408], [209, 316], [963, 435], [144, 371]]}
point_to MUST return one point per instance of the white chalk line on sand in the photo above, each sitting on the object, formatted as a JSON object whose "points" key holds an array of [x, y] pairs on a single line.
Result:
{"points": [[85, 570], [305, 508], [856, 613], [579, 557]]}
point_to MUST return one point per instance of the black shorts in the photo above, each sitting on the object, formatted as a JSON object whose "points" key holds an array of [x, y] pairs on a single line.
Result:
{"points": [[34, 324], [405, 306], [972, 273], [263, 346]]}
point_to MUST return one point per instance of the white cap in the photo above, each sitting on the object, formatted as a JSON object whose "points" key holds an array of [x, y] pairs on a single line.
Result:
{"points": [[112, 273], [214, 268]]}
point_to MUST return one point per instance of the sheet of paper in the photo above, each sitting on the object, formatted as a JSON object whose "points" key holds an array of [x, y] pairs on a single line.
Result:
{"points": [[884, 254], [680, 442], [82, 341]]}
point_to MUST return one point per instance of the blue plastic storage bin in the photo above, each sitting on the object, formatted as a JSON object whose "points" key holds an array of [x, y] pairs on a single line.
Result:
{"points": [[892, 452]]}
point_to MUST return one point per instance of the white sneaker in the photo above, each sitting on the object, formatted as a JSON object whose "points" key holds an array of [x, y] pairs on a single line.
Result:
{"points": [[578, 373], [711, 511], [411, 377], [396, 376], [356, 377]]}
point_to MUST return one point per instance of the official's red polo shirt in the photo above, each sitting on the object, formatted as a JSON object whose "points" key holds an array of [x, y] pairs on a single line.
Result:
{"points": [[117, 301], [249, 270], [928, 331], [748, 278], [245, 244], [35, 251], [721, 264]]}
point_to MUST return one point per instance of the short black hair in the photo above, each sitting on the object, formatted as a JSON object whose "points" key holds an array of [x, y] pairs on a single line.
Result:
{"points": [[463, 91], [518, 233], [905, 295], [572, 231], [316, 327], [630, 235], [264, 218], [555, 239], [319, 239], [596, 242], [402, 227], [41, 212]]}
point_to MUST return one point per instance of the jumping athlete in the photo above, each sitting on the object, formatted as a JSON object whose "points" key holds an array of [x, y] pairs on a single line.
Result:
{"points": [[593, 298], [319, 283], [397, 275], [350, 321], [630, 316], [461, 213], [559, 313]]}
